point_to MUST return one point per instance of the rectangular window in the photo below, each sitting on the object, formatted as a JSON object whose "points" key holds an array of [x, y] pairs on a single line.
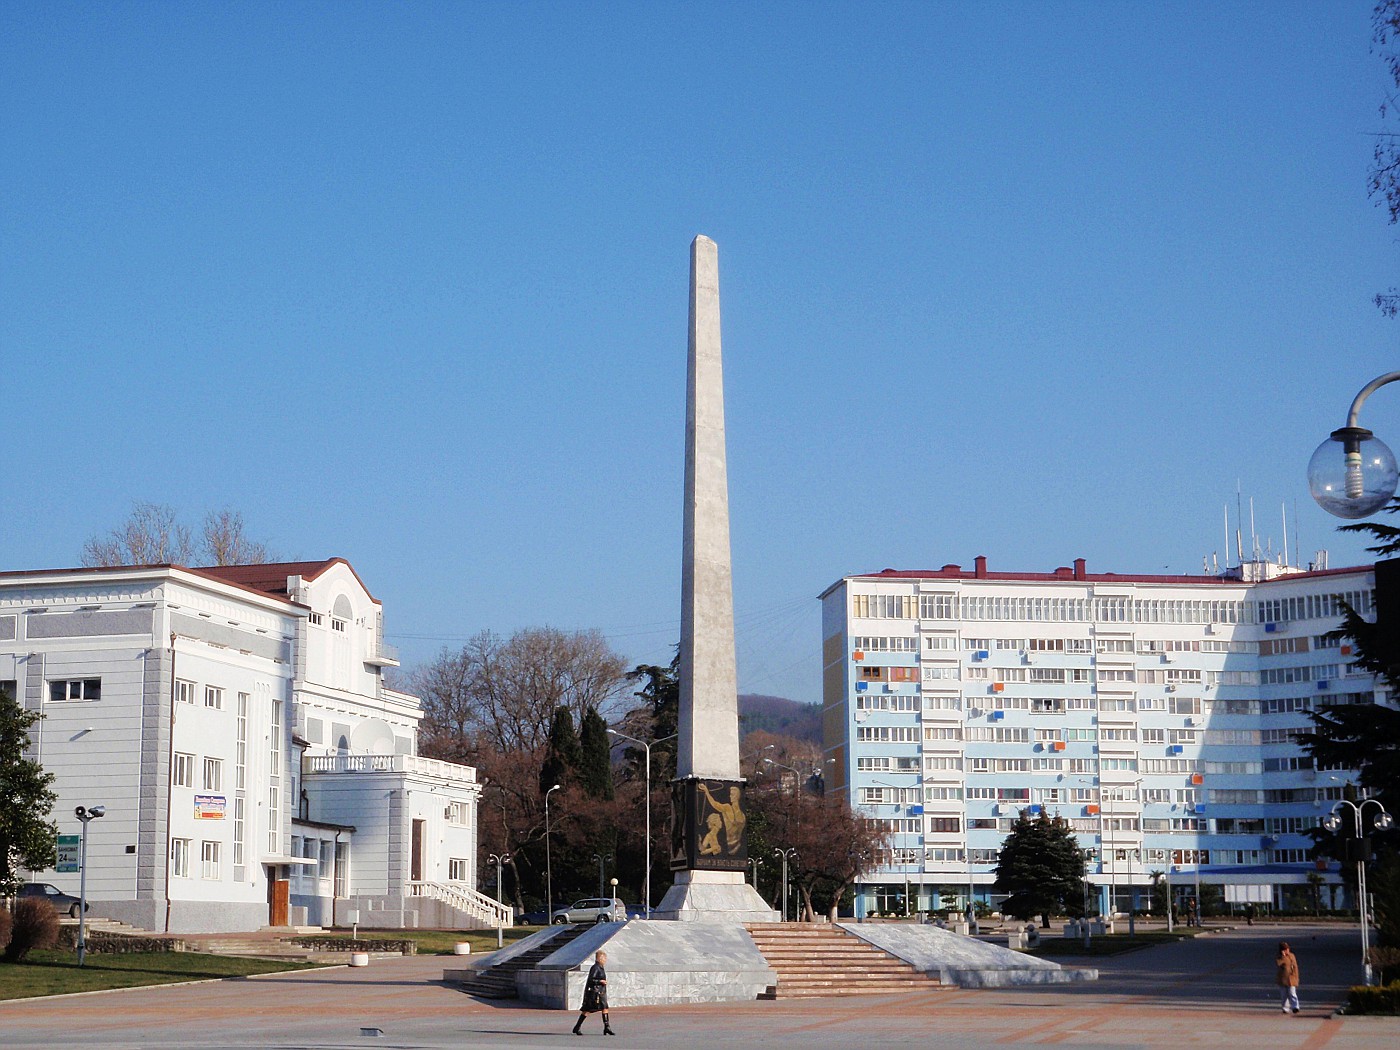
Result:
{"points": [[239, 829], [74, 690], [458, 869], [240, 763], [458, 814], [209, 860], [274, 780], [337, 625], [180, 858], [213, 774], [182, 775], [184, 691], [315, 619], [213, 698]]}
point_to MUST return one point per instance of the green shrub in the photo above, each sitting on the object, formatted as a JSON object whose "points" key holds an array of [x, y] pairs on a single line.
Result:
{"points": [[34, 925], [1382, 1000]]}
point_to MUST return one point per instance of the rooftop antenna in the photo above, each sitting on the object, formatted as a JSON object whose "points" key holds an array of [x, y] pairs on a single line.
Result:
{"points": [[1239, 522], [1226, 548], [1296, 548], [1253, 536], [1285, 534]]}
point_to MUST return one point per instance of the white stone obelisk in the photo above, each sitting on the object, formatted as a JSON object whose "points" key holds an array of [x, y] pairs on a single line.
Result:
{"points": [[708, 745]]}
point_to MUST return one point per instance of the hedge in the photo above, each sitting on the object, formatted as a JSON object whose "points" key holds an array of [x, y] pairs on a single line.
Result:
{"points": [[364, 944], [1382, 1000], [104, 943]]}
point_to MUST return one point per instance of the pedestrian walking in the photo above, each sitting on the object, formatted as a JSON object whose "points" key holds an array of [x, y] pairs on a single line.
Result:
{"points": [[1286, 964], [595, 994]]}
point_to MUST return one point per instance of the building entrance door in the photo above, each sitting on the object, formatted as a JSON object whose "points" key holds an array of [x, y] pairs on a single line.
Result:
{"points": [[415, 868], [279, 892]]}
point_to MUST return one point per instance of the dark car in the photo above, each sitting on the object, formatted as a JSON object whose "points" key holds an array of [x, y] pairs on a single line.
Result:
{"points": [[532, 918], [62, 902]]}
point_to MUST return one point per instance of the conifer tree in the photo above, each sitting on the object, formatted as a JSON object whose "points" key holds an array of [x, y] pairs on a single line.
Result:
{"points": [[561, 757], [595, 774], [1042, 867]]}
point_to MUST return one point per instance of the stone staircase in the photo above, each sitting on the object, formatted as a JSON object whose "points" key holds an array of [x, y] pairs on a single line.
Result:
{"points": [[498, 982], [816, 959]]}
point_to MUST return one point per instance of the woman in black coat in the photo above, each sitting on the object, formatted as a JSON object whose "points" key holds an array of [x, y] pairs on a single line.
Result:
{"points": [[595, 995]]}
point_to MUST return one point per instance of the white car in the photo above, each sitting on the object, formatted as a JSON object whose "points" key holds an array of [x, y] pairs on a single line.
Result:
{"points": [[591, 909]]}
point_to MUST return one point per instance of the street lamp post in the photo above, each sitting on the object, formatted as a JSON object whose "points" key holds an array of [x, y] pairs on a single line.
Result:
{"points": [[1380, 822], [86, 814], [1170, 903], [786, 854], [548, 862], [499, 859], [796, 773], [646, 802], [1353, 473], [1089, 857]]}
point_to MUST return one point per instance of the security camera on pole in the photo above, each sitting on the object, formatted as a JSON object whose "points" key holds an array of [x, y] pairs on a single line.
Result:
{"points": [[86, 814]]}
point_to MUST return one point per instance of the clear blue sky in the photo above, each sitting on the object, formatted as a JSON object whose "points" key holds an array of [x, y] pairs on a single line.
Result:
{"points": [[406, 283]]}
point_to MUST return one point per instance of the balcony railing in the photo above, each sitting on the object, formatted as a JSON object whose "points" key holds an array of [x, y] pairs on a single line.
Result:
{"points": [[388, 764]]}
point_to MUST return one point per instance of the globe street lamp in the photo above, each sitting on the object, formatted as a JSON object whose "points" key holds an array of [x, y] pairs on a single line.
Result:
{"points": [[86, 814], [646, 803], [499, 859], [548, 863], [602, 859], [1353, 474], [1357, 847]]}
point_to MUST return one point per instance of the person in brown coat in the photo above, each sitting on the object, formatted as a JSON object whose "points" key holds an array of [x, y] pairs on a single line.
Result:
{"points": [[1286, 964]]}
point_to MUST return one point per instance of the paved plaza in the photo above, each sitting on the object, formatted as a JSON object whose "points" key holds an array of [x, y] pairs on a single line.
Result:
{"points": [[1215, 990]]}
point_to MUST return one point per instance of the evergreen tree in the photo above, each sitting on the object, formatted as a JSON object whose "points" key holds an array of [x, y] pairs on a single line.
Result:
{"points": [[1042, 867], [27, 839], [595, 774], [561, 757]]}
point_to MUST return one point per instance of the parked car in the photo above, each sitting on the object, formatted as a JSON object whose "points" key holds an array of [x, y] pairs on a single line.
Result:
{"points": [[532, 918], [592, 909], [62, 902]]}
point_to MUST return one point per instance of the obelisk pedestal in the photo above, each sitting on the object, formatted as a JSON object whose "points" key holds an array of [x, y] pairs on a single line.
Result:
{"points": [[709, 843]]}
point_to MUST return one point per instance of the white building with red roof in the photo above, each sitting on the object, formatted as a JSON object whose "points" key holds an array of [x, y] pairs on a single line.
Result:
{"points": [[255, 769]]}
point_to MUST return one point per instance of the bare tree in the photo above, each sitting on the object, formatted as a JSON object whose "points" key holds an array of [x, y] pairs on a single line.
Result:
{"points": [[150, 536], [500, 694], [835, 844], [225, 542], [153, 535]]}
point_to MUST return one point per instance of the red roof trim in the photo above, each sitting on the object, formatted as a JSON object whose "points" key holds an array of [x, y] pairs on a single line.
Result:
{"points": [[952, 572]]}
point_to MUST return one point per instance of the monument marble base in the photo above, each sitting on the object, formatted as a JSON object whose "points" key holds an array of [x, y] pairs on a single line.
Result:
{"points": [[714, 896], [650, 963], [964, 961]]}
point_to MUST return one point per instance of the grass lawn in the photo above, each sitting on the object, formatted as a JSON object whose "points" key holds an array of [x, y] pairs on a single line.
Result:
{"points": [[440, 942], [1108, 944], [56, 972]]}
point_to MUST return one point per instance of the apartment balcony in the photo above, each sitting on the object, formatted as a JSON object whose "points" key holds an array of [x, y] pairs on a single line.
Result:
{"points": [[385, 655]]}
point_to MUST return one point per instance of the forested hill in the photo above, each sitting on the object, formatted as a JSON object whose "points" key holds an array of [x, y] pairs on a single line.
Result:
{"points": [[778, 714]]}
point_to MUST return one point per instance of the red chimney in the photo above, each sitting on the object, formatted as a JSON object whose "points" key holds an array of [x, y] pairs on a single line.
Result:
{"points": [[1079, 572], [979, 566]]}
